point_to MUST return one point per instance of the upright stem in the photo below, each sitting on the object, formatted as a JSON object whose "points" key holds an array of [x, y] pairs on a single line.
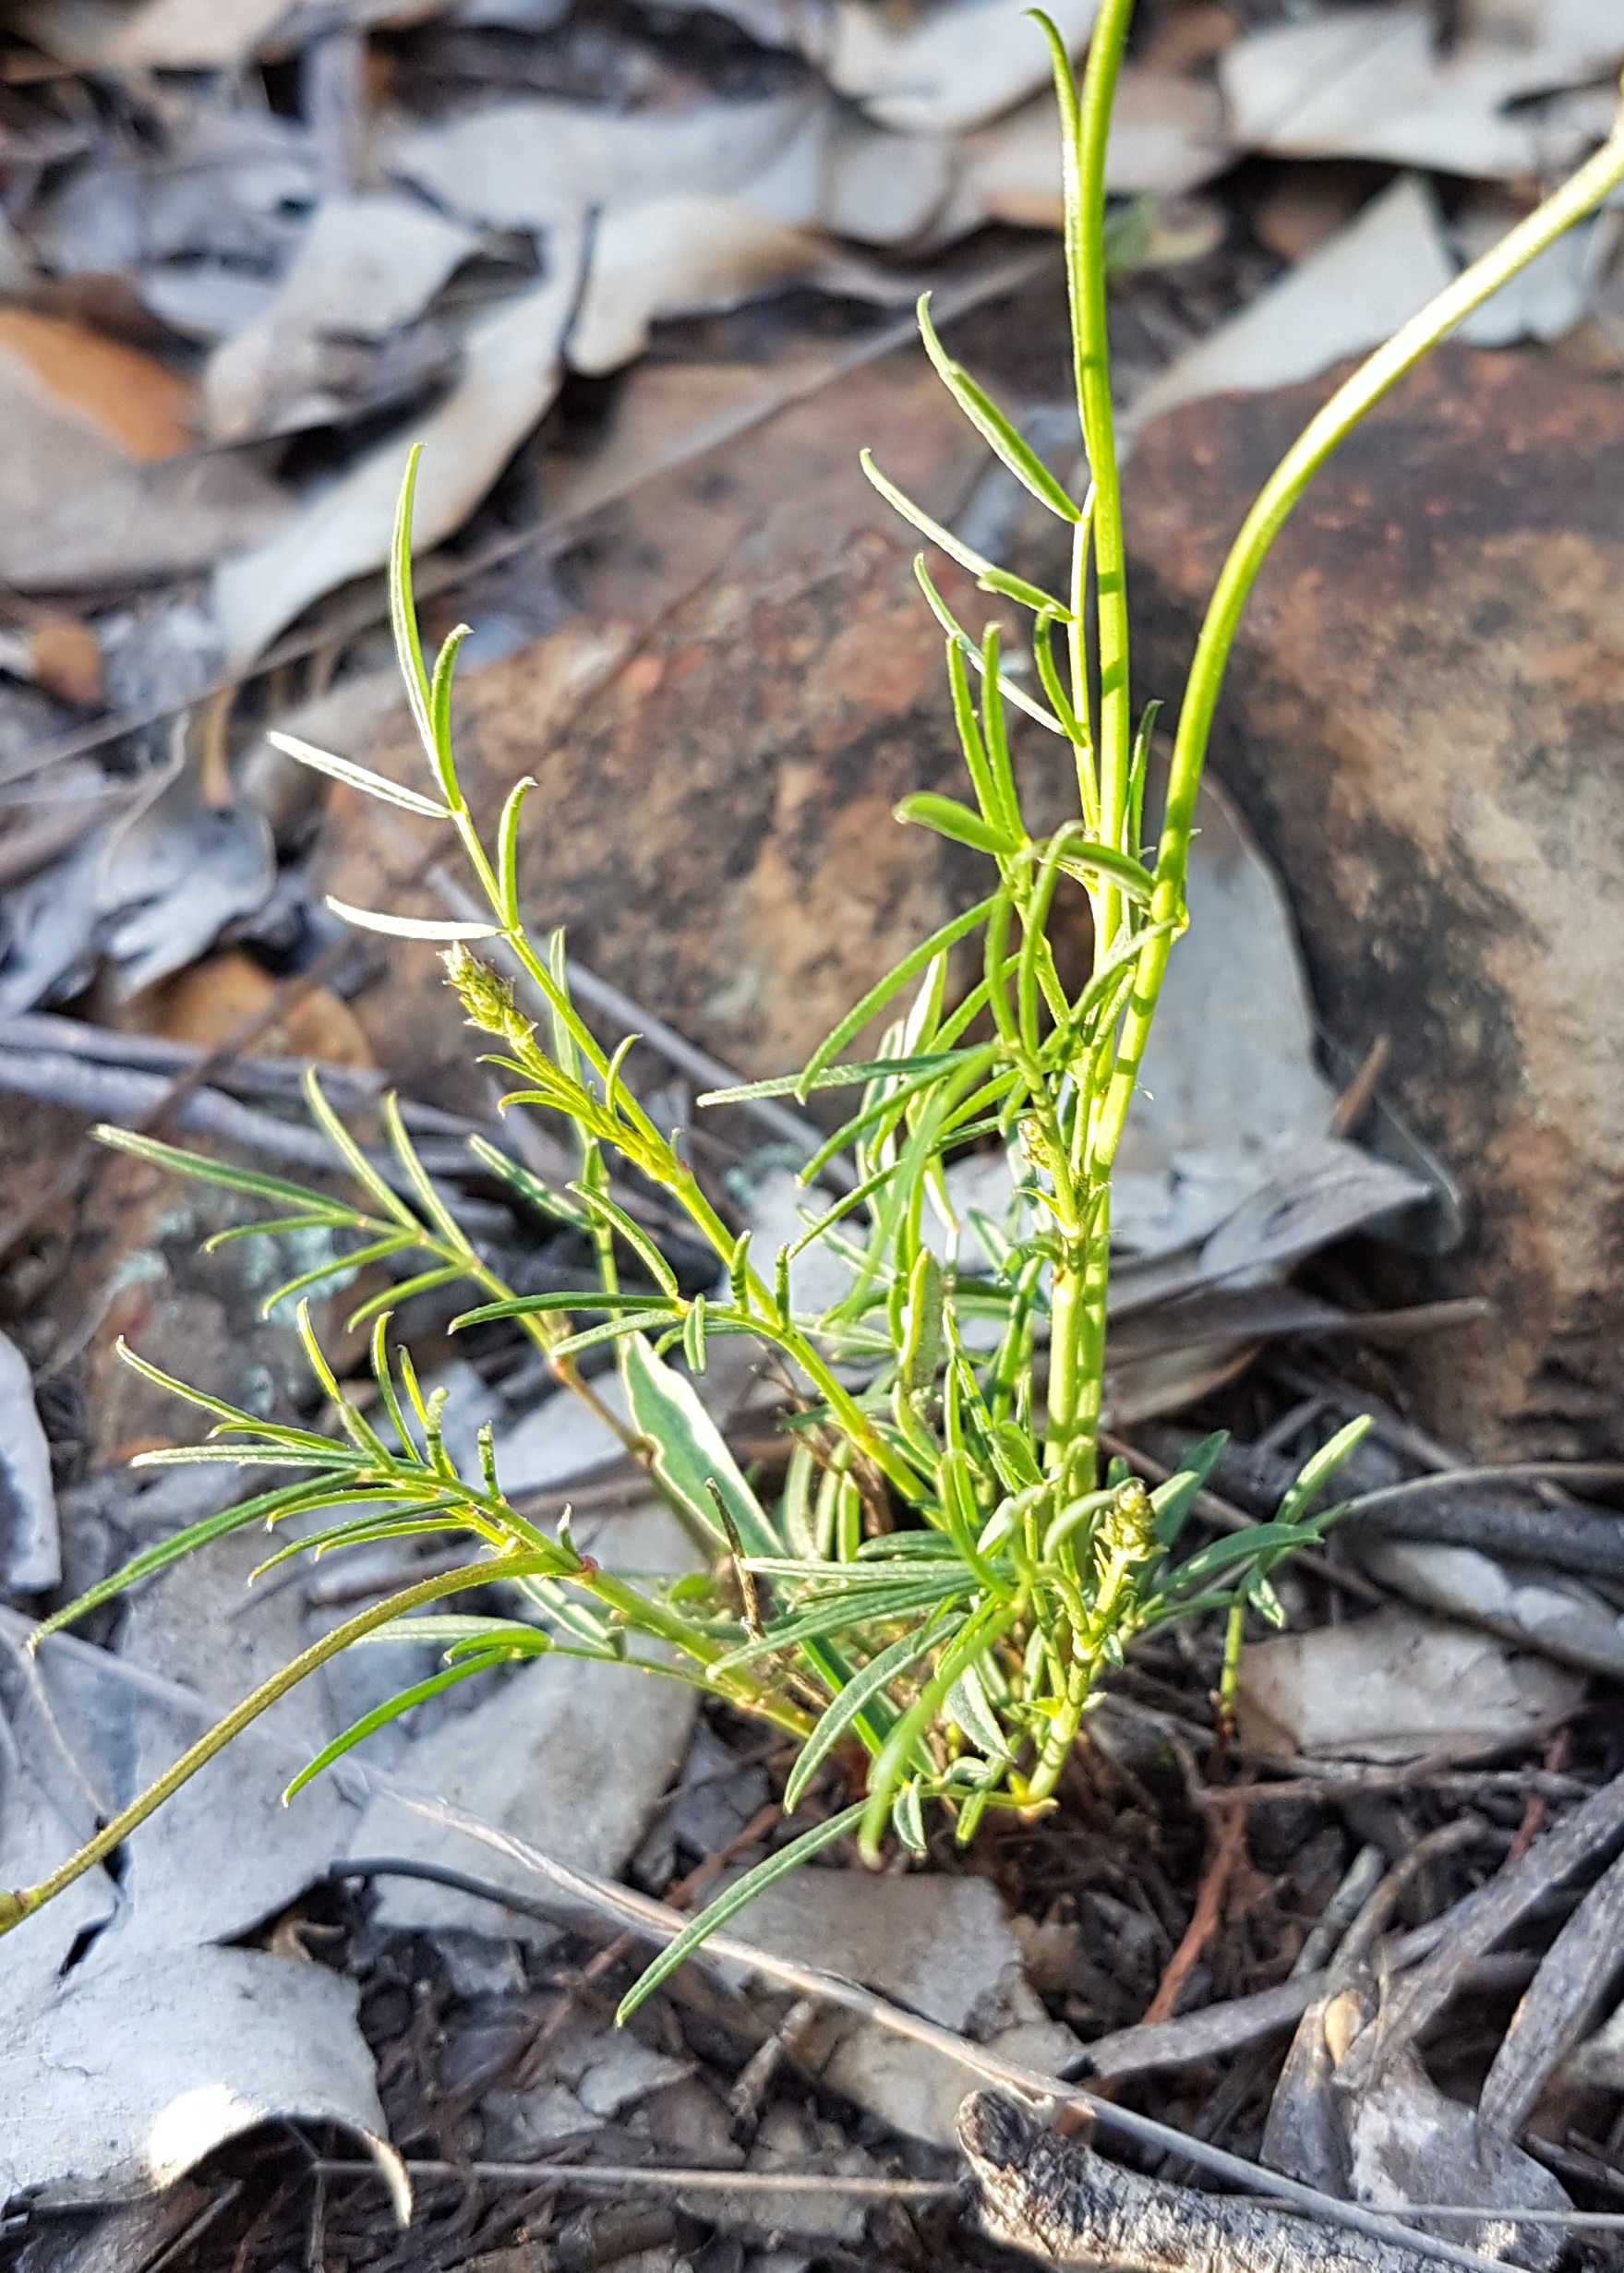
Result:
{"points": [[1093, 378], [1324, 433], [1077, 1301]]}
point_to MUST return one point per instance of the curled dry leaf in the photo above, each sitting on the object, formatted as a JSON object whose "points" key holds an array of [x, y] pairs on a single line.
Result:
{"points": [[367, 267], [531, 164], [1359, 286], [1371, 83], [97, 481], [511, 373], [1393, 1687], [686, 255]]}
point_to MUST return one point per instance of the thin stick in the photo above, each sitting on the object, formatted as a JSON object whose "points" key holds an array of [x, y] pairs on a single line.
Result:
{"points": [[657, 1924], [623, 2177], [1227, 1846]]}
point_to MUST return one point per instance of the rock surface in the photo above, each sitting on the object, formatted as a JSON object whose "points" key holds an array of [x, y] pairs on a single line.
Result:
{"points": [[1424, 723]]}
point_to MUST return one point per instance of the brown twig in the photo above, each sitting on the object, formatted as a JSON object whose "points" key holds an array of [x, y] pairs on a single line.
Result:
{"points": [[1228, 1843]]}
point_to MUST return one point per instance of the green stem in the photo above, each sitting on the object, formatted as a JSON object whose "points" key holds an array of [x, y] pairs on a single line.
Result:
{"points": [[1324, 434], [1093, 375], [16, 1906]]}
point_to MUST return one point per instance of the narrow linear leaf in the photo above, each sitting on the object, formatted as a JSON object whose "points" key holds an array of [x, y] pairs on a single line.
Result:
{"points": [[357, 776], [955, 630], [439, 707], [287, 1499], [438, 931], [391, 1710], [1317, 1471], [507, 848], [837, 1077], [986, 573], [737, 1896], [886, 990], [950, 819], [1005, 440], [403, 616], [313, 1206], [874, 1676]]}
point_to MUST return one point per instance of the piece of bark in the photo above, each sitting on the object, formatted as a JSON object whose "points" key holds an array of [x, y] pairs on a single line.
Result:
{"points": [[1560, 2004], [1477, 1924], [1057, 2199]]}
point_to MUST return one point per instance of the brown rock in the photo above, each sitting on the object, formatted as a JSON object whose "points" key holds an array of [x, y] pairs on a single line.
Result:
{"points": [[1425, 724]]}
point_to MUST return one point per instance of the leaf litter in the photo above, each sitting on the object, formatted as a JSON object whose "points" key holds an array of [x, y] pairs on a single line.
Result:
{"points": [[448, 289]]}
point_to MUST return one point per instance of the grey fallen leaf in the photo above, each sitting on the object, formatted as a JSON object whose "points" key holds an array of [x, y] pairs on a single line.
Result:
{"points": [[559, 1440], [205, 300], [226, 186], [1372, 83], [1410, 2144], [1545, 301], [1168, 135], [511, 373], [525, 2126], [533, 164], [1230, 1077], [690, 254], [1393, 1687], [77, 507], [1344, 298], [174, 871], [36, 1834], [366, 267], [1558, 1615], [31, 1540], [560, 1756], [174, 35], [128, 2075], [943, 1948], [951, 67], [48, 928]]}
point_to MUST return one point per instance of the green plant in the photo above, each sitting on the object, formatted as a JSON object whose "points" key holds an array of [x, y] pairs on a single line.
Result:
{"points": [[947, 1570]]}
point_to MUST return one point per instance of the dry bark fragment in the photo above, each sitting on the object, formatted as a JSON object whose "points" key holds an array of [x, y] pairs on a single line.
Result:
{"points": [[1056, 2198]]}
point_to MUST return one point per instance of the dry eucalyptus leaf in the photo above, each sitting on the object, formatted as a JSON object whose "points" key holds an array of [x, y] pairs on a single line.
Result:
{"points": [[511, 372], [1356, 289], [226, 186], [1560, 1615], [1372, 83], [30, 1543], [367, 267], [529, 164], [687, 255], [122, 2081], [98, 484], [174, 871], [952, 66], [1394, 1686]]}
